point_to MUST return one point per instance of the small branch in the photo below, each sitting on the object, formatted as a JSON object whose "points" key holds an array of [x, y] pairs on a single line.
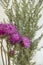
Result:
{"points": [[38, 49], [39, 38], [40, 27]]}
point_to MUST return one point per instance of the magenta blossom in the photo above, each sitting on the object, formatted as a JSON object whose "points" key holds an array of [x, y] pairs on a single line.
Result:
{"points": [[7, 29], [15, 38], [25, 41]]}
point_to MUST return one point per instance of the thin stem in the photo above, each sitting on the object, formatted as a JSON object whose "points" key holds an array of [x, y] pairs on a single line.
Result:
{"points": [[8, 55], [2, 53], [5, 55], [13, 61], [13, 57], [6, 59]]}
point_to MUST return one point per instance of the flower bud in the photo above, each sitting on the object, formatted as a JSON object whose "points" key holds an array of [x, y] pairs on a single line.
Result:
{"points": [[11, 53]]}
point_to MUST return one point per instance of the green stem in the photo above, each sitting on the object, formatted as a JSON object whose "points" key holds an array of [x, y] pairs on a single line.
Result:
{"points": [[2, 53], [8, 60], [8, 55]]}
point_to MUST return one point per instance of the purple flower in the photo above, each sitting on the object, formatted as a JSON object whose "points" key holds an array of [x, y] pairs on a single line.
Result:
{"points": [[25, 41], [7, 29], [14, 38]]}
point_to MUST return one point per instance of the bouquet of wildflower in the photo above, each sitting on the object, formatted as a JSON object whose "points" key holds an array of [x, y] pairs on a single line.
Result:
{"points": [[19, 33]]}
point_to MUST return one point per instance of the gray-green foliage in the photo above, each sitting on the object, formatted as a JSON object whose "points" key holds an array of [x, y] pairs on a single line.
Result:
{"points": [[26, 17]]}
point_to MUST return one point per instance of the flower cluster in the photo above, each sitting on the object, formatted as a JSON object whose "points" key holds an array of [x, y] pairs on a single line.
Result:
{"points": [[14, 36]]}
